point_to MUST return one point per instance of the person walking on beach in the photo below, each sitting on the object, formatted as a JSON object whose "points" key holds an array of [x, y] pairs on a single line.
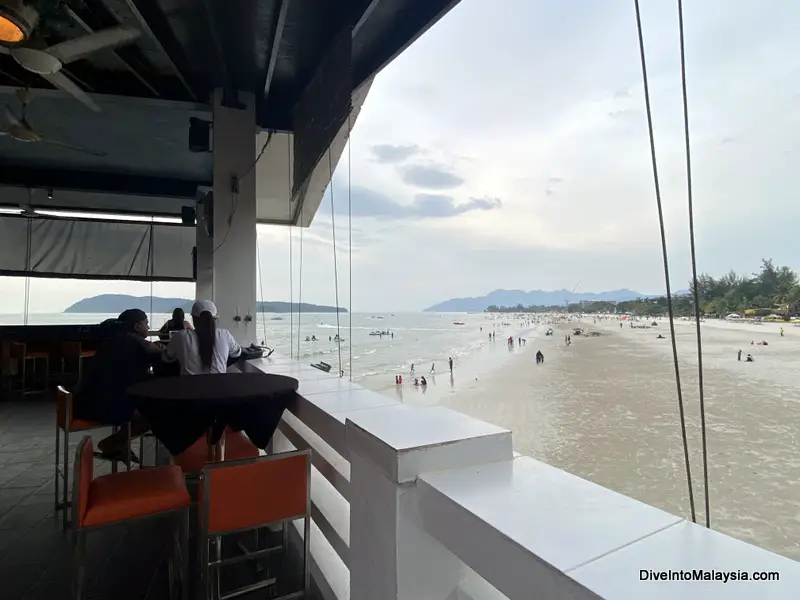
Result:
{"points": [[412, 368], [739, 355], [433, 368], [781, 331], [450, 362]]}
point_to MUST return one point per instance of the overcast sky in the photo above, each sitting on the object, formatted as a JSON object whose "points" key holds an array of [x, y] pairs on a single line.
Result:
{"points": [[507, 148]]}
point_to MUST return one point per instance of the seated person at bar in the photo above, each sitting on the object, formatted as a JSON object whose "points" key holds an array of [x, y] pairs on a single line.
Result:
{"points": [[178, 322], [122, 360], [206, 348]]}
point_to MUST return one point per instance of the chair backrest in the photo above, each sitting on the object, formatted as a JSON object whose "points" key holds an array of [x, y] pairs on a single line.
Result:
{"points": [[17, 350], [252, 492], [63, 407], [71, 349], [83, 472]]}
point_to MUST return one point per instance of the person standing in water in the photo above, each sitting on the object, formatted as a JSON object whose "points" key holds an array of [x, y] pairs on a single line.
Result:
{"points": [[739, 355], [450, 362]]}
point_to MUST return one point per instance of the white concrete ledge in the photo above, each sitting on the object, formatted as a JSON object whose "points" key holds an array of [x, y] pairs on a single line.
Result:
{"points": [[405, 441], [525, 525], [684, 548]]}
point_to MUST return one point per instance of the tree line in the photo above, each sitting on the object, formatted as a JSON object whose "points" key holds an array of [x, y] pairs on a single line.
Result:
{"points": [[773, 290]]}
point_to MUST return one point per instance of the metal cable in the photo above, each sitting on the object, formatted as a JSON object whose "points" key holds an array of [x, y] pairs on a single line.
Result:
{"points": [[150, 261], [300, 284], [291, 240], [350, 236], [261, 294], [28, 249], [335, 263], [695, 290], [665, 259]]}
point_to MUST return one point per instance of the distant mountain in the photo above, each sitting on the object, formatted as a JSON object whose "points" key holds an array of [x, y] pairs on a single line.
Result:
{"points": [[532, 298], [116, 303]]}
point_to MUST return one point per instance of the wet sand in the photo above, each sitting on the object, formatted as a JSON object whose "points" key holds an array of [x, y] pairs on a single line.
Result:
{"points": [[605, 408]]}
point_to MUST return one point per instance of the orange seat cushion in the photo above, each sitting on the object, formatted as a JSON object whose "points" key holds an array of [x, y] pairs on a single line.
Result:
{"points": [[82, 424], [120, 496], [74, 424], [237, 447]]}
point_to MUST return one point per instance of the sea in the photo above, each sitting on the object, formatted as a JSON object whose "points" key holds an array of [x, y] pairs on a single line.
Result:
{"points": [[425, 340]]}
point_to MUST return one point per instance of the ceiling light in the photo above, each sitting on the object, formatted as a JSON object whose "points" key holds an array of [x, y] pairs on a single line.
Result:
{"points": [[17, 21]]}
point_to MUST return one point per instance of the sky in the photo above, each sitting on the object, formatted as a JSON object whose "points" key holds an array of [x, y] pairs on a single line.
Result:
{"points": [[508, 148]]}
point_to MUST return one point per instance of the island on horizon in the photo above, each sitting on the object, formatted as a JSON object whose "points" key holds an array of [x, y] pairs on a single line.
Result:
{"points": [[116, 303]]}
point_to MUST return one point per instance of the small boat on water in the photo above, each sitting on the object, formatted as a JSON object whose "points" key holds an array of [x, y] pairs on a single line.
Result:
{"points": [[380, 332], [459, 323], [276, 319]]}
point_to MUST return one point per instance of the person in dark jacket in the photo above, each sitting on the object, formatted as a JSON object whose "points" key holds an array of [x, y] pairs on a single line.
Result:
{"points": [[123, 359]]}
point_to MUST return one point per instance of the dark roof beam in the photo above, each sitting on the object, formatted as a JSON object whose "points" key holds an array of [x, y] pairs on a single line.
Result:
{"points": [[280, 22], [230, 95], [90, 181], [407, 27], [363, 17], [83, 25], [153, 23]]}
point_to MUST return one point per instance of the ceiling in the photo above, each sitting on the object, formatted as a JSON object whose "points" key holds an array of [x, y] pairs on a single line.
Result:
{"points": [[147, 92]]}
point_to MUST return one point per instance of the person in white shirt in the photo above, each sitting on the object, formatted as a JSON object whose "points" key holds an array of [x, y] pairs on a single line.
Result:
{"points": [[205, 349]]}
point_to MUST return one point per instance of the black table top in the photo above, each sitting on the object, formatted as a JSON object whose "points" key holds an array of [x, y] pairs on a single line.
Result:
{"points": [[212, 389]]}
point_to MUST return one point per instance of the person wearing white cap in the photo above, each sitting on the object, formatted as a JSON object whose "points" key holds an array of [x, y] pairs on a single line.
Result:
{"points": [[205, 349]]}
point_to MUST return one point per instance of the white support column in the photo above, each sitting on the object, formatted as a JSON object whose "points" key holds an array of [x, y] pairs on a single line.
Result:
{"points": [[235, 239], [391, 557], [204, 285]]}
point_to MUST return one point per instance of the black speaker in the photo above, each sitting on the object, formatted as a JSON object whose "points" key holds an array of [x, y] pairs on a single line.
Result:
{"points": [[199, 135], [188, 216]]}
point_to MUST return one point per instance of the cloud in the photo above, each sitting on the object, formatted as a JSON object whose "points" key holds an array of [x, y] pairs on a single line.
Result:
{"points": [[390, 153], [367, 202], [439, 205], [430, 177]]}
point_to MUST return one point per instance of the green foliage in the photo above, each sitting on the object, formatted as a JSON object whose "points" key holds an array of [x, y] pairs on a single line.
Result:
{"points": [[771, 290]]}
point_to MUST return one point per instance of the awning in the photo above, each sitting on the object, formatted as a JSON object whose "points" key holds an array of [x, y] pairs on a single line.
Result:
{"points": [[57, 247]]}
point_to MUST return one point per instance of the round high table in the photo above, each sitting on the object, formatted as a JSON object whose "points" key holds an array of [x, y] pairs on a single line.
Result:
{"points": [[180, 409]]}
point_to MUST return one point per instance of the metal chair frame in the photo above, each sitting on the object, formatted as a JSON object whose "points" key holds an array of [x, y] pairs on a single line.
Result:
{"points": [[211, 589], [22, 362], [180, 554], [62, 455]]}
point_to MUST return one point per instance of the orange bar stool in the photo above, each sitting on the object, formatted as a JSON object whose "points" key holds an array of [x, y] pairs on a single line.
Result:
{"points": [[66, 424], [19, 352], [251, 494], [73, 351], [194, 459], [119, 497]]}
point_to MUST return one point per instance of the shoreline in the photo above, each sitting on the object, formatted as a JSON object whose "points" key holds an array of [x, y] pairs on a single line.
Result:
{"points": [[468, 372], [605, 409]]}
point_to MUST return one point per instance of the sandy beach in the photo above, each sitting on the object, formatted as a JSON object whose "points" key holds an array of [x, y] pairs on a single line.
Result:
{"points": [[605, 408]]}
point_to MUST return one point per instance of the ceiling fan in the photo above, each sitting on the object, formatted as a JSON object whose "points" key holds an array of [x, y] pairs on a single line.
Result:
{"points": [[21, 130], [47, 61]]}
